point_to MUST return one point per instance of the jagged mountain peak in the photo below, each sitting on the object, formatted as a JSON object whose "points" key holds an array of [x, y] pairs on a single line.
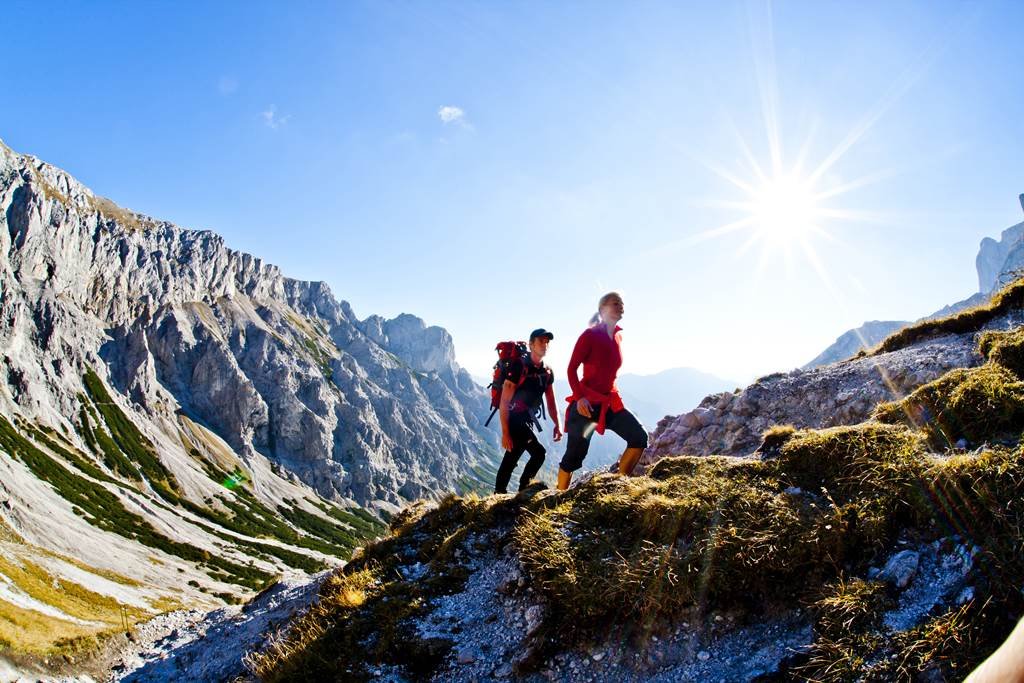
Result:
{"points": [[164, 396], [173, 312]]}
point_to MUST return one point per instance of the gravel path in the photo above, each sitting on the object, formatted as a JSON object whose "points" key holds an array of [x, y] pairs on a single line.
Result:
{"points": [[194, 646]]}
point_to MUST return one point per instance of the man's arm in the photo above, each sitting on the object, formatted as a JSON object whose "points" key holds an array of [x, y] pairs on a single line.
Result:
{"points": [[549, 394], [508, 390]]}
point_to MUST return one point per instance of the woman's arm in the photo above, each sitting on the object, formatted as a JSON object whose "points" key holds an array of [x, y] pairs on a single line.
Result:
{"points": [[579, 354]]}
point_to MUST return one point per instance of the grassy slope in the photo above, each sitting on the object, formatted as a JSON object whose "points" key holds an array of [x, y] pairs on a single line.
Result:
{"points": [[122, 457], [716, 532]]}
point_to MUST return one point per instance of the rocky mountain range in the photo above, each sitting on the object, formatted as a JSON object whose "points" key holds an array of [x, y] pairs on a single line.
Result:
{"points": [[999, 258], [182, 426], [180, 422], [179, 325]]}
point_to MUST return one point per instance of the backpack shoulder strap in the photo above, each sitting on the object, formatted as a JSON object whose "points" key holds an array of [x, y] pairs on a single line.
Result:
{"points": [[525, 360]]}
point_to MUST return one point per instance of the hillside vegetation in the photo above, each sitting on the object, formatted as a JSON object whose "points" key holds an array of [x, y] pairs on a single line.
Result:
{"points": [[120, 464], [807, 525]]}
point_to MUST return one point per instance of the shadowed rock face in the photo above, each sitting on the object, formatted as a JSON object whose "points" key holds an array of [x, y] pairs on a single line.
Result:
{"points": [[373, 410]]}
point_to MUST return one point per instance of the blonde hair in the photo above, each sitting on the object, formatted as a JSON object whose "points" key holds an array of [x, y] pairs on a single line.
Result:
{"points": [[596, 318]]}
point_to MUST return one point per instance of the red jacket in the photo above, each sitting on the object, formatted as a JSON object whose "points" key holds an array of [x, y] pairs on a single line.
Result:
{"points": [[601, 357]]}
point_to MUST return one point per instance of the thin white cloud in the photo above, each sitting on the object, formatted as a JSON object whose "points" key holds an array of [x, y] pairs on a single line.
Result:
{"points": [[227, 85], [451, 114], [271, 118]]}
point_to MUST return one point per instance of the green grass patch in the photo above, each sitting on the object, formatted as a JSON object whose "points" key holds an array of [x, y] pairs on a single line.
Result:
{"points": [[366, 526], [69, 453], [321, 358], [130, 440], [102, 509], [101, 443], [318, 526]]}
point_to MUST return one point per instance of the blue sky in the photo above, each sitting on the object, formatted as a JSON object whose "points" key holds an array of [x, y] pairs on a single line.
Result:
{"points": [[494, 167]]}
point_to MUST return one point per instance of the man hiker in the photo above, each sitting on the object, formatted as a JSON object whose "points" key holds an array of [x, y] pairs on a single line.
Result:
{"points": [[526, 384]]}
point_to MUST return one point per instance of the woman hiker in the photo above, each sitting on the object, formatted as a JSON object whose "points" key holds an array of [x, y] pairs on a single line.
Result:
{"points": [[526, 385], [595, 402]]}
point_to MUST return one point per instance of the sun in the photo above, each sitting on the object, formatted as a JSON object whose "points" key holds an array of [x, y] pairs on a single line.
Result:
{"points": [[781, 210], [784, 209]]}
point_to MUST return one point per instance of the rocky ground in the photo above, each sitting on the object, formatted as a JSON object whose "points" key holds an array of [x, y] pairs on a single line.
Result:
{"points": [[491, 627], [493, 621], [196, 647], [838, 394]]}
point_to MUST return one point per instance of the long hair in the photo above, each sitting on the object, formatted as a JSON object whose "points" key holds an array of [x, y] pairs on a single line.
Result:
{"points": [[595, 319]]}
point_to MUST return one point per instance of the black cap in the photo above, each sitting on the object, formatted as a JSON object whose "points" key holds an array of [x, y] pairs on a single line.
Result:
{"points": [[541, 332]]}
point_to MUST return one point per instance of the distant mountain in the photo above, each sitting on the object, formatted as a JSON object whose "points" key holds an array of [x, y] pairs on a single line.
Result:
{"points": [[852, 341], [996, 259], [998, 263], [669, 392]]}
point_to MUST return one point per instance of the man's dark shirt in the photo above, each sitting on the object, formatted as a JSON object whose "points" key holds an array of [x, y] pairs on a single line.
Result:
{"points": [[529, 394]]}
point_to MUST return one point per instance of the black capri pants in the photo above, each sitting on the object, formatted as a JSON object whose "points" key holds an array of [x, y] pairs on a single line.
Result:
{"points": [[520, 428], [579, 429]]}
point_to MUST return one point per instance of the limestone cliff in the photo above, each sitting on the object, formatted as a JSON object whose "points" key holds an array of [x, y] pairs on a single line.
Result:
{"points": [[372, 411]]}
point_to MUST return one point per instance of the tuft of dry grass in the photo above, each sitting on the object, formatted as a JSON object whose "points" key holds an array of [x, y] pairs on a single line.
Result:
{"points": [[340, 595], [1010, 297], [850, 606], [127, 219], [1004, 348], [979, 405], [774, 438]]}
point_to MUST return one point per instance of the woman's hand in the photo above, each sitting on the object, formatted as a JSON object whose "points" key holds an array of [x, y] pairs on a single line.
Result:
{"points": [[506, 441], [583, 407], [556, 435]]}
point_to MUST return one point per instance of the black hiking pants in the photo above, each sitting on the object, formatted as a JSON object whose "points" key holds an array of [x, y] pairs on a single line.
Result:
{"points": [[523, 440]]}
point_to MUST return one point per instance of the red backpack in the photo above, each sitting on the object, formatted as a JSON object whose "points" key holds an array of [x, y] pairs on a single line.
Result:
{"points": [[509, 353]]}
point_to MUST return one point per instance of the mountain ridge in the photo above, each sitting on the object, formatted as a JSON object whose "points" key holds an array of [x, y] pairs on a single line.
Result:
{"points": [[181, 423]]}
